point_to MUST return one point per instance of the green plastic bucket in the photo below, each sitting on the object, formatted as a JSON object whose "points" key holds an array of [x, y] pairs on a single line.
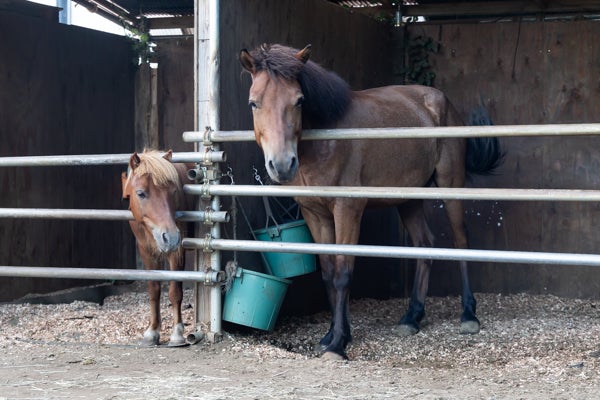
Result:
{"points": [[287, 265], [254, 299]]}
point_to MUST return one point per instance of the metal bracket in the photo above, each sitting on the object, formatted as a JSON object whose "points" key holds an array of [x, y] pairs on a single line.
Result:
{"points": [[205, 190], [207, 142], [208, 213], [206, 248]]}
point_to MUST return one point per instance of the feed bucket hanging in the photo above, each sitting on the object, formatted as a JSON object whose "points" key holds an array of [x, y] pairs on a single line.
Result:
{"points": [[254, 299], [287, 265]]}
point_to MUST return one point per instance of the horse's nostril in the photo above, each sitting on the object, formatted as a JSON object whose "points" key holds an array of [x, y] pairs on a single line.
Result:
{"points": [[165, 237], [293, 163], [271, 165]]}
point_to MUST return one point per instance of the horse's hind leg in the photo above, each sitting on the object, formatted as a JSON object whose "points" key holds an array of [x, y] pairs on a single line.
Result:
{"points": [[414, 221], [468, 321], [450, 173], [176, 297]]}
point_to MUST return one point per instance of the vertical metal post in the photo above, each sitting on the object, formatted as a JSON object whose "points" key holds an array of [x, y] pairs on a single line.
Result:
{"points": [[206, 114]]}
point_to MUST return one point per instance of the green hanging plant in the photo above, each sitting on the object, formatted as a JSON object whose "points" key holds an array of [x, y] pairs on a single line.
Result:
{"points": [[417, 68]]}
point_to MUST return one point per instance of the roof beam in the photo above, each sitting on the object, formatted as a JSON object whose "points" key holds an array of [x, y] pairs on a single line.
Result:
{"points": [[500, 8]]}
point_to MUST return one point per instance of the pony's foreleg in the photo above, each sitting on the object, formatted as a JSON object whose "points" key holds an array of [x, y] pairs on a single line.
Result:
{"points": [[152, 333], [347, 216], [414, 220], [176, 297], [468, 321], [336, 272]]}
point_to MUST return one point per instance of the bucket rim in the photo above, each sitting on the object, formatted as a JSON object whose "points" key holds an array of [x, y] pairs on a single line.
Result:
{"points": [[287, 225], [266, 276]]}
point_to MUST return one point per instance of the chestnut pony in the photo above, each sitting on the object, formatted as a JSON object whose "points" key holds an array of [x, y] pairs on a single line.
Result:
{"points": [[289, 93], [153, 186]]}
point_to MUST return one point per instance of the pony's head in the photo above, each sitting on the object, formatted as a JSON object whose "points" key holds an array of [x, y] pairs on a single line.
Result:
{"points": [[287, 88], [154, 191]]}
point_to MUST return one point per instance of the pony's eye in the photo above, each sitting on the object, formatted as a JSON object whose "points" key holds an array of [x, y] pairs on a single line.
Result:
{"points": [[300, 101], [141, 194], [252, 105]]}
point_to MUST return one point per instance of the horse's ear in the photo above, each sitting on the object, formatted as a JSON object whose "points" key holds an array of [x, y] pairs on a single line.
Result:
{"points": [[134, 161], [168, 155], [124, 185], [247, 61], [304, 54]]}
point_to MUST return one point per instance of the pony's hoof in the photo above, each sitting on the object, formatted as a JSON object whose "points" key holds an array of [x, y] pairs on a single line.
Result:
{"points": [[151, 338], [469, 327], [148, 342], [177, 343], [405, 330], [332, 356], [177, 339]]}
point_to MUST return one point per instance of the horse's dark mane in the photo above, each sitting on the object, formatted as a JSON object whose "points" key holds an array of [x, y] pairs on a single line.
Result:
{"points": [[326, 95]]}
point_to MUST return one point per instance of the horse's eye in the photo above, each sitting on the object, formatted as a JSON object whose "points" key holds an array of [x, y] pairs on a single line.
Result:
{"points": [[252, 105], [141, 194], [300, 101]]}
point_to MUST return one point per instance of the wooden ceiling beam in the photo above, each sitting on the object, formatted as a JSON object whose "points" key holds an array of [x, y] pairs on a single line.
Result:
{"points": [[500, 8]]}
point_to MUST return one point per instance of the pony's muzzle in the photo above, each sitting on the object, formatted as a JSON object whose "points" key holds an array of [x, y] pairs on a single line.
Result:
{"points": [[282, 170], [167, 241]]}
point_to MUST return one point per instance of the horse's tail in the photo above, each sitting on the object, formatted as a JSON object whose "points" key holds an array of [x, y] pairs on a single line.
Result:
{"points": [[484, 154]]}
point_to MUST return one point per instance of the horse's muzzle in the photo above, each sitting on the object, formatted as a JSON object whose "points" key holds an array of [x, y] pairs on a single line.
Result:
{"points": [[166, 241], [282, 170]]}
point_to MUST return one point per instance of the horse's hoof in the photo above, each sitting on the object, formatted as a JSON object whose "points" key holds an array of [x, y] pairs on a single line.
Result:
{"points": [[405, 330], [319, 348], [177, 343], [177, 339], [332, 356], [151, 338], [148, 343], [469, 327]]}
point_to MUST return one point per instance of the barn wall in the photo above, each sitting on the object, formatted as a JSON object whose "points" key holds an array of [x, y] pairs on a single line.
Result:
{"points": [[65, 90], [526, 73]]}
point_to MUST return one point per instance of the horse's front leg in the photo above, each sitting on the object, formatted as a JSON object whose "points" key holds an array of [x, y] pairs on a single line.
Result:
{"points": [[152, 333], [337, 281], [176, 297], [343, 228]]}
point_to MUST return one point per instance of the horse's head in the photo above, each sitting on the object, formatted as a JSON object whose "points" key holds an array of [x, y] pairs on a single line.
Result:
{"points": [[154, 191], [276, 100]]}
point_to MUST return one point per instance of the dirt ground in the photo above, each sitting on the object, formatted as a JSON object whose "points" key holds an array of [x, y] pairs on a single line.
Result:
{"points": [[530, 347]]}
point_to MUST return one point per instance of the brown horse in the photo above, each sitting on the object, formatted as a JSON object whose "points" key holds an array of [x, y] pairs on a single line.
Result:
{"points": [[153, 186], [289, 93]]}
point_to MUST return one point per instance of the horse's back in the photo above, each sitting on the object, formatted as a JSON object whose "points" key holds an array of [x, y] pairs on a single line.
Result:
{"points": [[388, 162], [399, 106]]}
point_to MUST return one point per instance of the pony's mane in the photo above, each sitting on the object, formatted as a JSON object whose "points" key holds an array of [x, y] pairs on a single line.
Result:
{"points": [[326, 95], [161, 171]]}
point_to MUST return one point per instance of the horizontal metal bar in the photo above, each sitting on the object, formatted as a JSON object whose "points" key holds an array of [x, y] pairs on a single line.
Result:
{"points": [[397, 252], [112, 274], [98, 159], [104, 215], [413, 132], [395, 192]]}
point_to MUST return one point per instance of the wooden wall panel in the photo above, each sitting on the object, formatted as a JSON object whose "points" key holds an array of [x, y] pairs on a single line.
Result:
{"points": [[527, 73], [65, 90]]}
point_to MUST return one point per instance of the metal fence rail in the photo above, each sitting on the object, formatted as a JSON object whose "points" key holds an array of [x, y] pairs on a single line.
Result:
{"points": [[431, 253], [104, 215], [100, 159], [405, 133], [371, 192], [112, 274]]}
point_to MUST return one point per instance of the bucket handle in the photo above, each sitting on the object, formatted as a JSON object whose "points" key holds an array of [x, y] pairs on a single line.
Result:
{"points": [[270, 216]]}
